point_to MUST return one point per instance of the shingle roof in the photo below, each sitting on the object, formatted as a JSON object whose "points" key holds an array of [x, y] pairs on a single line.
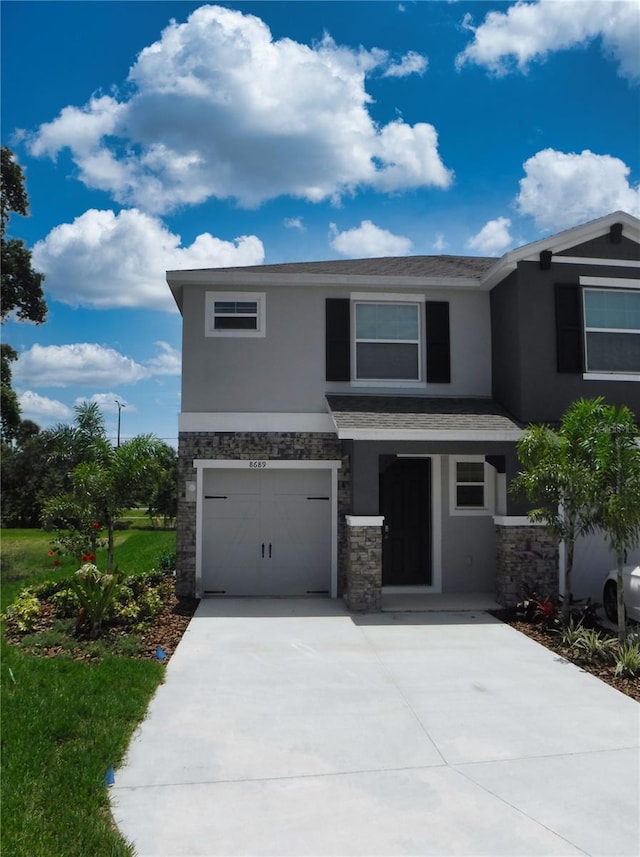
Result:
{"points": [[419, 413], [405, 266]]}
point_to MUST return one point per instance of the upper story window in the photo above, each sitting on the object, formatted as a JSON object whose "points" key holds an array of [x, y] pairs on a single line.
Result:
{"points": [[235, 314], [612, 330], [387, 341]]}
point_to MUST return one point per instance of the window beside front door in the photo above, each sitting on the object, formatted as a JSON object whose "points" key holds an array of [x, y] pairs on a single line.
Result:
{"points": [[387, 341], [612, 330], [471, 488]]}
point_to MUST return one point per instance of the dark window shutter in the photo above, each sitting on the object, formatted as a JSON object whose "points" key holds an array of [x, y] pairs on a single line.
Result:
{"points": [[338, 339], [568, 328], [438, 342]]}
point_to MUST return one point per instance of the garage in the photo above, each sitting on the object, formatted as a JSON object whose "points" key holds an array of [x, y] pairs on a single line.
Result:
{"points": [[266, 530]]}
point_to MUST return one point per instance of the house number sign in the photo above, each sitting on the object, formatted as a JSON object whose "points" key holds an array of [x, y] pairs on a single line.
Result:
{"points": [[257, 465]]}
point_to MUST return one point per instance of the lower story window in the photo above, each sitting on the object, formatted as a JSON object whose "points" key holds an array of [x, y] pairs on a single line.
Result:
{"points": [[612, 330], [470, 487]]}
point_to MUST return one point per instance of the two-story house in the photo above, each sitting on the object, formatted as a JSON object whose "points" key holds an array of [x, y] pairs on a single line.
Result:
{"points": [[349, 427]]}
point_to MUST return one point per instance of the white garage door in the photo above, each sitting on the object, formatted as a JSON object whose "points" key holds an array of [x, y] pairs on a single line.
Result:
{"points": [[266, 532]]}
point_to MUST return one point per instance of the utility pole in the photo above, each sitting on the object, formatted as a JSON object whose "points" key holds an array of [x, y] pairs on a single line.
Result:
{"points": [[120, 405]]}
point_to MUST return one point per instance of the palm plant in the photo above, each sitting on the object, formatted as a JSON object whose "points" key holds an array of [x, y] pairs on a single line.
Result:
{"points": [[557, 476], [614, 450], [102, 480], [108, 484]]}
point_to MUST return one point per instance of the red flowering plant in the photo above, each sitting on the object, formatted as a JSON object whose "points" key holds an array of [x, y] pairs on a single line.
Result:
{"points": [[76, 534]]}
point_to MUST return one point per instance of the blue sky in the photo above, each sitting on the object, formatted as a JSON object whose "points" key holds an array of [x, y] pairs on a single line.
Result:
{"points": [[162, 135]]}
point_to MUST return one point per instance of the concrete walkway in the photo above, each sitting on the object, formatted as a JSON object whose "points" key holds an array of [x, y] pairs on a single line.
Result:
{"points": [[289, 727]]}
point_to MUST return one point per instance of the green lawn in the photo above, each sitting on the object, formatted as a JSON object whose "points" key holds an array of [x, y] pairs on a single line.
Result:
{"points": [[64, 721]]}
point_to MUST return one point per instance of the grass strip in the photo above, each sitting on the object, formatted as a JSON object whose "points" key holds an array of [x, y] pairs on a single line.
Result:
{"points": [[64, 723]]}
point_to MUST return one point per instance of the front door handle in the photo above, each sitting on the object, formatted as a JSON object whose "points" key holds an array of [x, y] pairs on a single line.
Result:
{"points": [[269, 550], [262, 550]]}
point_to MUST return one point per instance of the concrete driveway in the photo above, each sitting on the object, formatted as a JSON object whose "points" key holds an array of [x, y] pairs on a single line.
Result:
{"points": [[290, 727]]}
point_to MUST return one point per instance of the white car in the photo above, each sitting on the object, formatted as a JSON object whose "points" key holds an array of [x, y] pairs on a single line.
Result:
{"points": [[631, 587]]}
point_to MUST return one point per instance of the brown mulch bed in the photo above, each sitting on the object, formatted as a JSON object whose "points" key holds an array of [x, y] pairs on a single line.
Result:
{"points": [[551, 640], [164, 631], [169, 626]]}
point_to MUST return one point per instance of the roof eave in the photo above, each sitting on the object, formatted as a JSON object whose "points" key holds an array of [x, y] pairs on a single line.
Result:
{"points": [[451, 435], [557, 243], [238, 276]]}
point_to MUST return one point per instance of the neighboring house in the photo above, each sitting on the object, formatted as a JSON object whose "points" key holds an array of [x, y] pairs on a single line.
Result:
{"points": [[349, 427]]}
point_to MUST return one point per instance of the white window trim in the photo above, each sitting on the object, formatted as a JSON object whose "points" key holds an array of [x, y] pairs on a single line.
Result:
{"points": [[591, 284], [373, 297], [210, 300], [489, 489], [610, 282]]}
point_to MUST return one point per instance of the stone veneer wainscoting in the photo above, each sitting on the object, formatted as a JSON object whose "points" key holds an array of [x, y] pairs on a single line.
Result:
{"points": [[526, 555], [282, 446]]}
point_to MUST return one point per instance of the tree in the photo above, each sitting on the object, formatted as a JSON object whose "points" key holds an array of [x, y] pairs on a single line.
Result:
{"points": [[39, 465], [163, 498], [104, 485], [558, 477], [614, 448], [21, 285], [9, 406]]}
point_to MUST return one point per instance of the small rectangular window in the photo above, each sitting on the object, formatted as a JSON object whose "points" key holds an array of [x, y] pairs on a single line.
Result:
{"points": [[234, 314], [470, 485], [612, 330], [470, 488]]}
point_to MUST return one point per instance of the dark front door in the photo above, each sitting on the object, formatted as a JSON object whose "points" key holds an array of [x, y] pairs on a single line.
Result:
{"points": [[405, 502]]}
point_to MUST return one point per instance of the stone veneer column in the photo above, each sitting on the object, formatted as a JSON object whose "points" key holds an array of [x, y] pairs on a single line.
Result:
{"points": [[526, 555], [364, 563]]}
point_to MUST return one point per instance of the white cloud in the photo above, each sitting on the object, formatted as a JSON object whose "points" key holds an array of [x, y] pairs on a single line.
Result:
{"points": [[411, 63], [531, 31], [562, 189], [219, 109], [493, 238], [294, 223], [439, 245], [40, 409], [368, 241], [167, 362], [406, 154], [88, 364], [105, 260], [106, 402]]}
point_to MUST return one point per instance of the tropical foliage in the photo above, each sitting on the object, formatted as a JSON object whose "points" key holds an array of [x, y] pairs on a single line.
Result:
{"points": [[21, 286], [585, 476], [73, 480]]}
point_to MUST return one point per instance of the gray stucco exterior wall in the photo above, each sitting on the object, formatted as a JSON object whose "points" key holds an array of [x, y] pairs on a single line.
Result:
{"points": [[284, 371]]}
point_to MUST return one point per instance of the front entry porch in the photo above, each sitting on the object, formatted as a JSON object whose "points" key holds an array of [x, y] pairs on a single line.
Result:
{"points": [[452, 601]]}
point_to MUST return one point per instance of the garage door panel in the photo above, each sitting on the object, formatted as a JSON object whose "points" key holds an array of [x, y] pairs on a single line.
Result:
{"points": [[230, 547], [267, 532], [232, 482]]}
